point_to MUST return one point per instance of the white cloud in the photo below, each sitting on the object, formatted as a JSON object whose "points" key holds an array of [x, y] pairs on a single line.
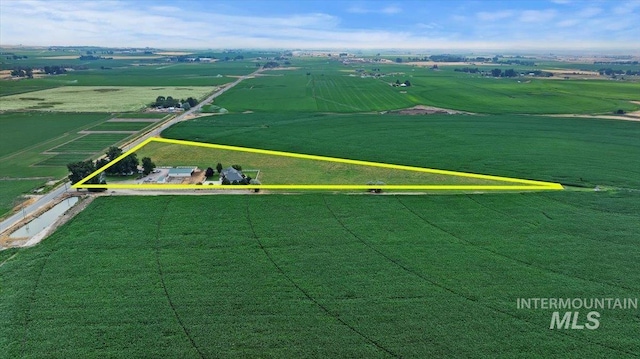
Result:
{"points": [[118, 23], [589, 12], [627, 7], [391, 10], [374, 8], [494, 15], [537, 15], [568, 23]]}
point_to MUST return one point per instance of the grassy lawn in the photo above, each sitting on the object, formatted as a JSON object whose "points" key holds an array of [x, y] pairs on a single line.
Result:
{"points": [[296, 171], [324, 276]]}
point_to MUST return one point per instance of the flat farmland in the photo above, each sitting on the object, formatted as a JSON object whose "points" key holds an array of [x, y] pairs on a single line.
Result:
{"points": [[321, 275], [36, 147], [90, 143], [21, 130], [571, 151], [127, 72], [283, 170], [335, 89], [121, 126], [97, 99]]}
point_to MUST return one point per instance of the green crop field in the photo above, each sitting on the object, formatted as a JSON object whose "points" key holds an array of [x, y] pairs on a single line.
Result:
{"points": [[335, 90], [21, 130], [91, 143], [121, 126], [97, 99], [570, 151], [37, 146], [324, 276]]}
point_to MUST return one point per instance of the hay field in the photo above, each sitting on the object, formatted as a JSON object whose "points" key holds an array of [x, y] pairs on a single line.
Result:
{"points": [[97, 98]]}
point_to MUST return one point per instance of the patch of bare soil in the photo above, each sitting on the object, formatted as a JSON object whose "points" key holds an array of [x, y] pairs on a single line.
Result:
{"points": [[429, 110], [197, 177], [23, 204]]}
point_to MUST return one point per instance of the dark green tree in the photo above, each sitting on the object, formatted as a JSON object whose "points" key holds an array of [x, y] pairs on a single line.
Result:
{"points": [[80, 170], [209, 172], [159, 101], [219, 167], [147, 165], [496, 72]]}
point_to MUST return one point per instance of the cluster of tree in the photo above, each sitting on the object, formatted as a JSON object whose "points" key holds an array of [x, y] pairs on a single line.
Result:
{"points": [[612, 72], [17, 57], [615, 62], [469, 70], [92, 57], [515, 62], [514, 73], [125, 166], [166, 102], [447, 58], [506, 73], [398, 83], [54, 70], [22, 72], [270, 65], [82, 169]]}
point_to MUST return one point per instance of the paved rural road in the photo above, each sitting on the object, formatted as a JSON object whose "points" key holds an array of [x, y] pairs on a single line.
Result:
{"points": [[42, 201], [58, 191]]}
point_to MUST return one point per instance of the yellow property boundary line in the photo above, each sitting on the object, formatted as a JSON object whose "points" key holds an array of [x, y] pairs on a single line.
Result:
{"points": [[523, 183]]}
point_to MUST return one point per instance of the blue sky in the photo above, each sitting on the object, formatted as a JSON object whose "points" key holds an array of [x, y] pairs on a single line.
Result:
{"points": [[420, 25]]}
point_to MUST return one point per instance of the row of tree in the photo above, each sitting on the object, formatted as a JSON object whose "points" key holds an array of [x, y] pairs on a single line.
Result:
{"points": [[124, 167], [610, 72], [506, 73], [21, 71], [166, 102]]}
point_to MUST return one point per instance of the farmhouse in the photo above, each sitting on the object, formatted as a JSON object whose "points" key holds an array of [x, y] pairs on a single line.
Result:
{"points": [[231, 174]]}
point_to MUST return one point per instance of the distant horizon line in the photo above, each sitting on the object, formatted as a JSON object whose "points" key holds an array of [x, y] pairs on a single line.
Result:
{"points": [[534, 50]]}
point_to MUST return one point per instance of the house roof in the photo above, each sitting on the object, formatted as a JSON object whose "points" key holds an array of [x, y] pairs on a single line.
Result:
{"points": [[181, 171], [232, 174]]}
